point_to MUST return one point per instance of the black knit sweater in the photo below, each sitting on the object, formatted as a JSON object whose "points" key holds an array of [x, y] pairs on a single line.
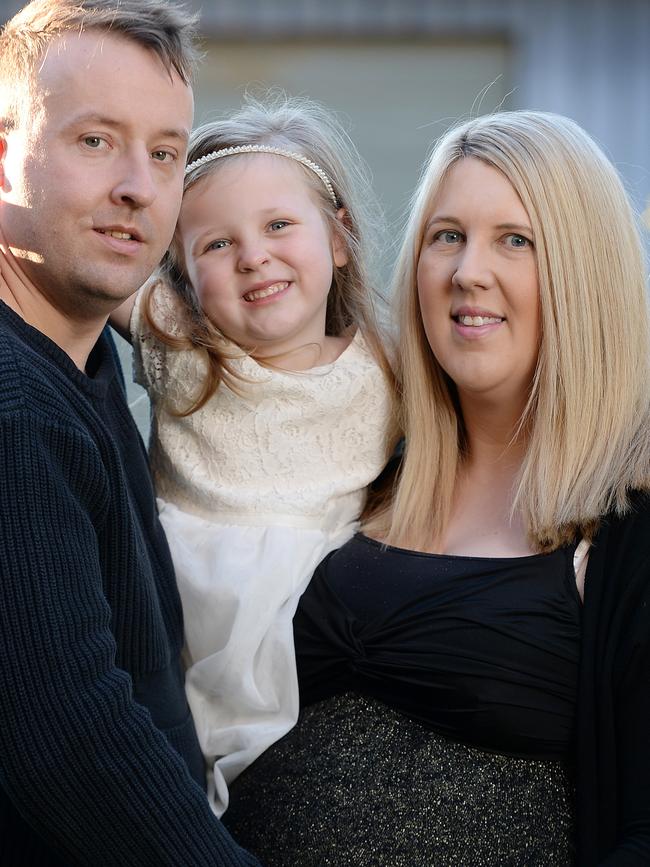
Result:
{"points": [[97, 747]]}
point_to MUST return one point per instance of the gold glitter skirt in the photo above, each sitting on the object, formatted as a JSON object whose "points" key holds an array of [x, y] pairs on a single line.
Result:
{"points": [[357, 784]]}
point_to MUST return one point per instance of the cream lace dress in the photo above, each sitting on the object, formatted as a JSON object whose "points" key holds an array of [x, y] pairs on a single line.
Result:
{"points": [[253, 492]]}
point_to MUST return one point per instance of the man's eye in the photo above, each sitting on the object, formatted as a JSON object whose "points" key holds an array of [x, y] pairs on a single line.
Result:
{"points": [[162, 156], [93, 141]]}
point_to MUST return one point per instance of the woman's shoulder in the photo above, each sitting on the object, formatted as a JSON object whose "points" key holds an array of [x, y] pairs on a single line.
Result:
{"points": [[634, 520], [618, 570], [632, 533]]}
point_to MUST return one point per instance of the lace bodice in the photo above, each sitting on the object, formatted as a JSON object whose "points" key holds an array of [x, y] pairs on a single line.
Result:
{"points": [[292, 449]]}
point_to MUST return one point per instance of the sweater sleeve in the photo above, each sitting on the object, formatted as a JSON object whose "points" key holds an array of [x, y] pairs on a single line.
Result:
{"points": [[80, 760], [633, 747], [633, 849], [631, 676]]}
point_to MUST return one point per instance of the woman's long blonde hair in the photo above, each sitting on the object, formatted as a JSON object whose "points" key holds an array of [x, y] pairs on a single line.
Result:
{"points": [[587, 420], [302, 126]]}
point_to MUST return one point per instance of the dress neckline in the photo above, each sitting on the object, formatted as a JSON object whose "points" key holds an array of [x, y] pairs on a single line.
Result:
{"points": [[426, 554]]}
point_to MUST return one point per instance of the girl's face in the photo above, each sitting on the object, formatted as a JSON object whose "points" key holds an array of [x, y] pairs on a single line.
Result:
{"points": [[478, 287], [259, 253]]}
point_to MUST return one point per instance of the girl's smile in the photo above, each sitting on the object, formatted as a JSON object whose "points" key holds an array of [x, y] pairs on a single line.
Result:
{"points": [[266, 292]]}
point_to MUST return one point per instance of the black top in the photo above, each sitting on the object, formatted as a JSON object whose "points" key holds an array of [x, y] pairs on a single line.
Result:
{"points": [[97, 746], [483, 650]]}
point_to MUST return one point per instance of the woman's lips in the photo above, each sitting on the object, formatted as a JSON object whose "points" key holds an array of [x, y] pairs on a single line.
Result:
{"points": [[473, 324], [477, 321]]}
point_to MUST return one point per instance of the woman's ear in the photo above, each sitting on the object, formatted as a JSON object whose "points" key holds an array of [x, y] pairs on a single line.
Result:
{"points": [[339, 244]]}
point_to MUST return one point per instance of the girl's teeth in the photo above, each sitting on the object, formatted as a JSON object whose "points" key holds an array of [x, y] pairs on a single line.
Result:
{"points": [[264, 293], [479, 320]]}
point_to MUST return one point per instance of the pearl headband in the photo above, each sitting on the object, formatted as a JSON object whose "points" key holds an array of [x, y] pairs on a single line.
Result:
{"points": [[267, 149]]}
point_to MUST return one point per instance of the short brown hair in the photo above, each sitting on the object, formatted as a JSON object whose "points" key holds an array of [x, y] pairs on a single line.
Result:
{"points": [[167, 30]]}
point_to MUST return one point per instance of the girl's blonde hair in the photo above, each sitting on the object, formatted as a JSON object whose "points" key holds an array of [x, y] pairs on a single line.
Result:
{"points": [[587, 420], [299, 126]]}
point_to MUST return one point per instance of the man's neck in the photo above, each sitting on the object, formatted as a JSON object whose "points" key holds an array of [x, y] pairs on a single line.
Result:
{"points": [[76, 337]]}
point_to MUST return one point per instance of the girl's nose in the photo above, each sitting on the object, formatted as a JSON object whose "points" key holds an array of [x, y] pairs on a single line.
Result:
{"points": [[252, 256]]}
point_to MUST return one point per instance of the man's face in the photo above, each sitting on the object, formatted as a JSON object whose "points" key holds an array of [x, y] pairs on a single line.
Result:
{"points": [[93, 177]]}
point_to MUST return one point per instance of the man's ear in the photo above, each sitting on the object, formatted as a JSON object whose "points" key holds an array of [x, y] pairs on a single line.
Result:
{"points": [[339, 245]]}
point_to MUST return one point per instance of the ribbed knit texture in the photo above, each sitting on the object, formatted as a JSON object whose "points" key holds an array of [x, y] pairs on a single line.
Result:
{"points": [[89, 618]]}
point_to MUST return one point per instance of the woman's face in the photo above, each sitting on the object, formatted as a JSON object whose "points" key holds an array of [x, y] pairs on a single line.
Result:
{"points": [[477, 285]]}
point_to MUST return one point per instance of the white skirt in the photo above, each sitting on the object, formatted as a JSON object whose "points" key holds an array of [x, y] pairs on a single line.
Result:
{"points": [[240, 587]]}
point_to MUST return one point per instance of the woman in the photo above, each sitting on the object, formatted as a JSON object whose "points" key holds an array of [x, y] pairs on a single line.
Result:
{"points": [[475, 667]]}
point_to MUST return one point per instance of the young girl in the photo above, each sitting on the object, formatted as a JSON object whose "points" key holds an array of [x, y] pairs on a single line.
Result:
{"points": [[271, 404]]}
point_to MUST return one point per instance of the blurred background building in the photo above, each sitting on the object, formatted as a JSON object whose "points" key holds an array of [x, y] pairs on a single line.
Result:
{"points": [[399, 72]]}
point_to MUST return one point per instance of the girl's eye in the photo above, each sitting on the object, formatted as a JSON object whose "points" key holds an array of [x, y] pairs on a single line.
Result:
{"points": [[219, 244], [278, 224], [448, 236], [518, 242]]}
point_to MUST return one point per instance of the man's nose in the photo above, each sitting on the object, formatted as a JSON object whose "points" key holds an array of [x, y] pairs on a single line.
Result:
{"points": [[135, 185]]}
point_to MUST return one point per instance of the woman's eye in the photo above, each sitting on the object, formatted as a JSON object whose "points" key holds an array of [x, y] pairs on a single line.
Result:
{"points": [[448, 236], [518, 241], [278, 224], [218, 245]]}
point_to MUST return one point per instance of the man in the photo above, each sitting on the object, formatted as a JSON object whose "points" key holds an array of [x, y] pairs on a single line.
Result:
{"points": [[99, 762]]}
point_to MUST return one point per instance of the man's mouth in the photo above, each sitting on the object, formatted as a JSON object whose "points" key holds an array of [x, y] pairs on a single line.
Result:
{"points": [[258, 294], [116, 233]]}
